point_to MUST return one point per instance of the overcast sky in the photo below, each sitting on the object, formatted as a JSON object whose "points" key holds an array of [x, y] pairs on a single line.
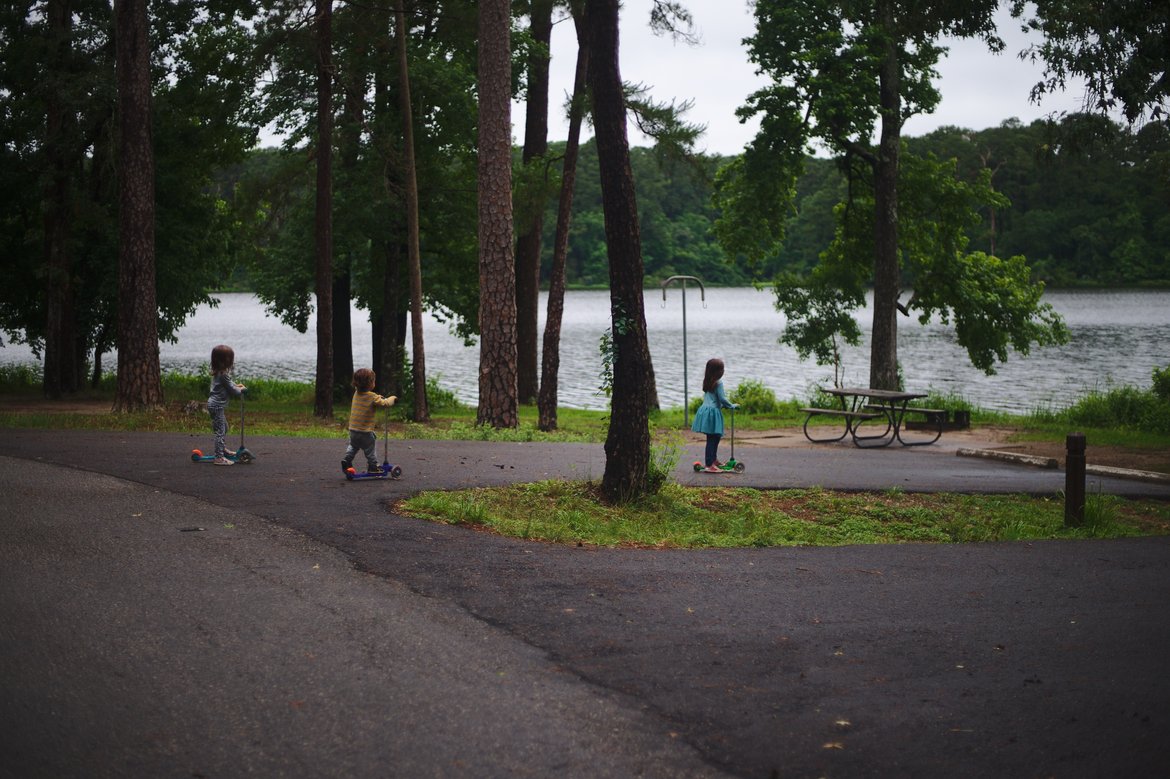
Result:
{"points": [[979, 89]]}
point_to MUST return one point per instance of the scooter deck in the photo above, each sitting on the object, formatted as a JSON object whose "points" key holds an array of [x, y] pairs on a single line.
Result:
{"points": [[197, 456], [387, 472], [731, 466]]}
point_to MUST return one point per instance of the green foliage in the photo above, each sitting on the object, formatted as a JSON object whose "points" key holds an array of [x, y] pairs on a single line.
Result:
{"points": [[665, 453], [676, 217], [203, 78], [1118, 408], [605, 347], [1161, 380], [1119, 49], [20, 378], [754, 398], [1088, 196]]}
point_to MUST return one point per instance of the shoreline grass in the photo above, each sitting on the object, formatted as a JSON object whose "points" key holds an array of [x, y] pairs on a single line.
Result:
{"points": [[1122, 416]]}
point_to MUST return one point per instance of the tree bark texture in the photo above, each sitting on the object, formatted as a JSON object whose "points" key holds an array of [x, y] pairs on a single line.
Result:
{"points": [[627, 445], [62, 371], [139, 384], [551, 354], [528, 243], [883, 361], [350, 140], [323, 219], [391, 356], [422, 412], [497, 274]]}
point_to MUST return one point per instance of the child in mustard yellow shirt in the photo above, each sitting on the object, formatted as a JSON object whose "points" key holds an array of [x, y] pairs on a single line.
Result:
{"points": [[361, 420]]}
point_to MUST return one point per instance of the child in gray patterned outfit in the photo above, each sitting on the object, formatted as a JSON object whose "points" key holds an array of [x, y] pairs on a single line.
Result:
{"points": [[223, 359]]}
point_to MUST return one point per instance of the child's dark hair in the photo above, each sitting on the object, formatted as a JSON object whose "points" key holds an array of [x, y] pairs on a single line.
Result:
{"points": [[713, 374], [364, 379], [222, 359]]}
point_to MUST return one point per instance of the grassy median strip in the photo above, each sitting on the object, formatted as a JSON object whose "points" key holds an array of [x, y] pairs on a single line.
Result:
{"points": [[689, 517]]}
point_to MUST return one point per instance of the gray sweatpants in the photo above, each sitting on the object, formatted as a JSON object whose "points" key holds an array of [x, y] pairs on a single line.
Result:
{"points": [[366, 443]]}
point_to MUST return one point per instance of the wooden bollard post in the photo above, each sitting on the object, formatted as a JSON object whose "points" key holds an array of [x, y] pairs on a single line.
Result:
{"points": [[1074, 480]]}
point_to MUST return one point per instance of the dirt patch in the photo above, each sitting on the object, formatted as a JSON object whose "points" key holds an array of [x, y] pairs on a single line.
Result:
{"points": [[997, 438], [1111, 456]]}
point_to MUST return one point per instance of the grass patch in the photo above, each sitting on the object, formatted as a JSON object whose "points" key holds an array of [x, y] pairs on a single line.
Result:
{"points": [[690, 517]]}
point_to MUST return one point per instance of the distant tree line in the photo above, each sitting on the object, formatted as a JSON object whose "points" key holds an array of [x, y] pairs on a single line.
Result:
{"points": [[1087, 208]]}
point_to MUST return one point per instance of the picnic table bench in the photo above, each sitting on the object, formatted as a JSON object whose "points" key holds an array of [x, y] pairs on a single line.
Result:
{"points": [[860, 405]]}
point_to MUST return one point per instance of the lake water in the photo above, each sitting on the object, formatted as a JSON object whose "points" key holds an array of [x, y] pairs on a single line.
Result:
{"points": [[1118, 337]]}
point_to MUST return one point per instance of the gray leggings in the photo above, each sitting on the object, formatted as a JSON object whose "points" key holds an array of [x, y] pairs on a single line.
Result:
{"points": [[219, 428]]}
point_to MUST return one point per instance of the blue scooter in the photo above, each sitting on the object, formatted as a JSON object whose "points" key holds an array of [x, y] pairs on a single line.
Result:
{"points": [[386, 471]]}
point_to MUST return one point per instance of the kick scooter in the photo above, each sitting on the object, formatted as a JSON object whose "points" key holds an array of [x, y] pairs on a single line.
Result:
{"points": [[732, 464], [387, 471], [241, 455]]}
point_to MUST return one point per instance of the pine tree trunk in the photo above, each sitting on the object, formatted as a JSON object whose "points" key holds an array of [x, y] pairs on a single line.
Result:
{"points": [[62, 372], [883, 361], [350, 144], [627, 446], [139, 381], [497, 274], [418, 364], [389, 339], [323, 402], [528, 244], [551, 353]]}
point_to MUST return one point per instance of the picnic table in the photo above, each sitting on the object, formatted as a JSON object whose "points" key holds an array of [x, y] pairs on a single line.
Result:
{"points": [[864, 410]]}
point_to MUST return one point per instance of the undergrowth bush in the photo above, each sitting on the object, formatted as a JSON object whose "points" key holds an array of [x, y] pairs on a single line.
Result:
{"points": [[1121, 408], [754, 398]]}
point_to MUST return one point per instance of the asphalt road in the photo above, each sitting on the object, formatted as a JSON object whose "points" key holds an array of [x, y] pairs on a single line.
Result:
{"points": [[306, 629]]}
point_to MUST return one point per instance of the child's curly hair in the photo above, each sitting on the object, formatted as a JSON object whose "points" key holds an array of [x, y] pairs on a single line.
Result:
{"points": [[364, 379]]}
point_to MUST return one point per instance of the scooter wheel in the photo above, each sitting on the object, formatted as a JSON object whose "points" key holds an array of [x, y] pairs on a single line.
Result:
{"points": [[244, 456], [350, 473], [739, 467], [698, 467], [196, 455], [396, 471]]}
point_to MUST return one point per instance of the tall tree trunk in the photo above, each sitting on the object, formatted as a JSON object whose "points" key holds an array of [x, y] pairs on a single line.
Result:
{"points": [[349, 137], [551, 353], [323, 224], [139, 380], [627, 445], [528, 242], [62, 373], [418, 363], [392, 323], [389, 355], [883, 360], [342, 327], [497, 274]]}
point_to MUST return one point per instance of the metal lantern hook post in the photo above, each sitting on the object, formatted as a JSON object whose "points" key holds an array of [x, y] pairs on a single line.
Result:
{"points": [[703, 297]]}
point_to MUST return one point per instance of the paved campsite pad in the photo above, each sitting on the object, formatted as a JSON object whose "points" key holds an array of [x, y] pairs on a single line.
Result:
{"points": [[918, 659]]}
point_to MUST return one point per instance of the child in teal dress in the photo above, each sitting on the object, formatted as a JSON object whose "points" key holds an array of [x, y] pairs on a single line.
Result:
{"points": [[709, 417]]}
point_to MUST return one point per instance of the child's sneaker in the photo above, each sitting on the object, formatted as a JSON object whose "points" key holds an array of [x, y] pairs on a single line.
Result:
{"points": [[222, 461]]}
